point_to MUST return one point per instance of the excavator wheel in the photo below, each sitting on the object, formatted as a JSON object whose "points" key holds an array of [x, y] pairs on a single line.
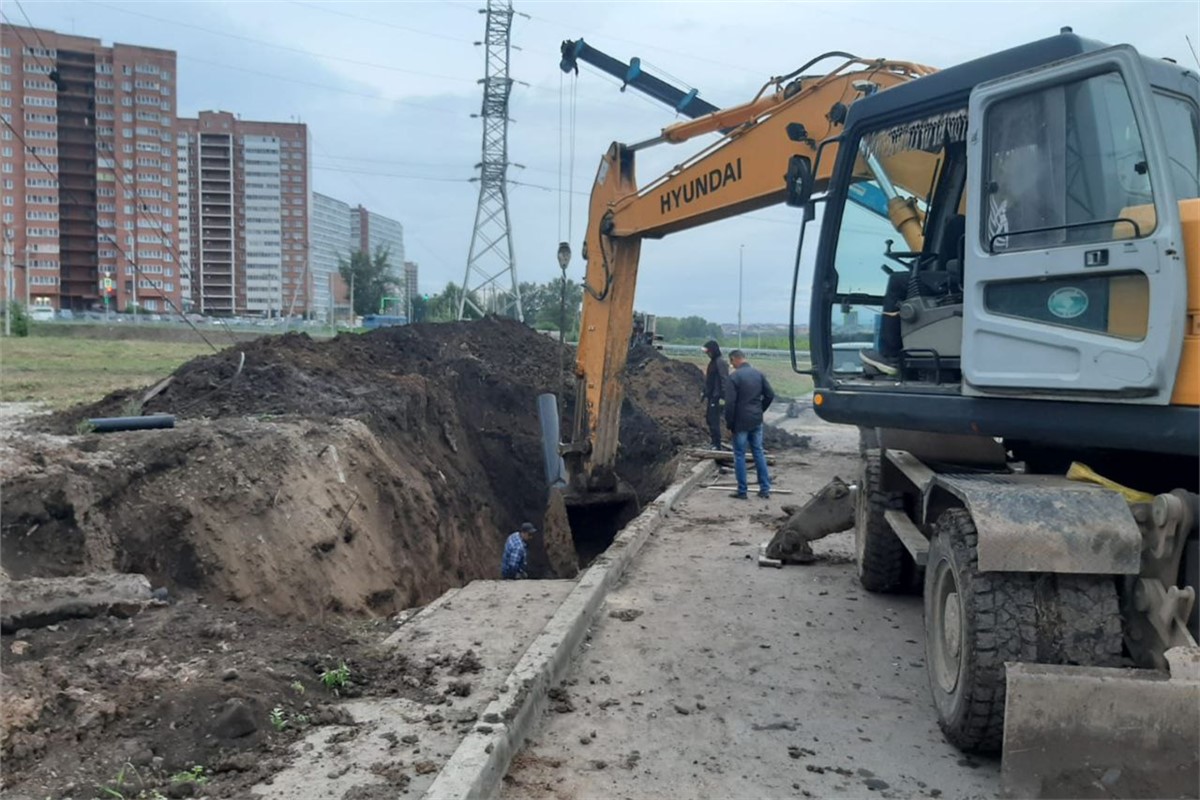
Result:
{"points": [[976, 621], [883, 563]]}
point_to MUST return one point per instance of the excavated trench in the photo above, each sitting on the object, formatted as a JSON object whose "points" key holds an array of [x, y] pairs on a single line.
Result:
{"points": [[365, 474]]}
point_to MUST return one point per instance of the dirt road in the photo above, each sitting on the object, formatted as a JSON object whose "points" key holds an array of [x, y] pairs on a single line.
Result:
{"points": [[712, 677]]}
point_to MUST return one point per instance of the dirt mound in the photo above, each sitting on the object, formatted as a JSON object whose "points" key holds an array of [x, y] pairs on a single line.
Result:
{"points": [[364, 474]]}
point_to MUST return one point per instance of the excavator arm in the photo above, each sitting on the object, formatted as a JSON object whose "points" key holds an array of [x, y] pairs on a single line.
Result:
{"points": [[742, 171]]}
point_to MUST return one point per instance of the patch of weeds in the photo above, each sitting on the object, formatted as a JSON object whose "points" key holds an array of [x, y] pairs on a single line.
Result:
{"points": [[336, 679], [121, 786], [278, 720], [298, 688], [84, 427], [194, 775]]}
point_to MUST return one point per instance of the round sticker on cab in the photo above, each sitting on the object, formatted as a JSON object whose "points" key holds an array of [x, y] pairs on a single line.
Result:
{"points": [[1068, 302]]}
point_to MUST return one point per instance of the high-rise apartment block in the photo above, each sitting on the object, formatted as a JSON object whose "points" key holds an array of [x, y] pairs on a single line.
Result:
{"points": [[331, 243], [372, 231], [245, 189], [87, 168], [410, 280]]}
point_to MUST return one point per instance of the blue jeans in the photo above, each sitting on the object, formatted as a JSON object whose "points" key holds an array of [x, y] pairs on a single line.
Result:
{"points": [[754, 438]]}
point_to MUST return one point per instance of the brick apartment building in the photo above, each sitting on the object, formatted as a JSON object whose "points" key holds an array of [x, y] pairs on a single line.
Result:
{"points": [[91, 191], [245, 189]]}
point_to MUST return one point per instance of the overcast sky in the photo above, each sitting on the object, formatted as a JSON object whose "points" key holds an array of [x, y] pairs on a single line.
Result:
{"points": [[394, 132]]}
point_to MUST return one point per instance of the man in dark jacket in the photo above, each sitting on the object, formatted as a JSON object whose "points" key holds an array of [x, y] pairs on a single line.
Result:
{"points": [[749, 395], [716, 377]]}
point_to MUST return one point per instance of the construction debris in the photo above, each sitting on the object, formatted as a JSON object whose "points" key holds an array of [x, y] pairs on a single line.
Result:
{"points": [[37, 602]]}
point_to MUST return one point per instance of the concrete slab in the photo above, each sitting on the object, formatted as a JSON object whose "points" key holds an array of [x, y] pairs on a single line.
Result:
{"points": [[497, 620]]}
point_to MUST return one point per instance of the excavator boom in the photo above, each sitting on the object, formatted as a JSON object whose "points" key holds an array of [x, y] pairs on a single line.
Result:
{"points": [[746, 169]]}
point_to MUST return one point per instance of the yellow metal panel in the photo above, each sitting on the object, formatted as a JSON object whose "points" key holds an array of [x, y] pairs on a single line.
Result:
{"points": [[1187, 380], [1128, 306]]}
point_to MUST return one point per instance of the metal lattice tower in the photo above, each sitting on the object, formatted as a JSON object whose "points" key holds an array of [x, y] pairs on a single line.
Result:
{"points": [[491, 263]]}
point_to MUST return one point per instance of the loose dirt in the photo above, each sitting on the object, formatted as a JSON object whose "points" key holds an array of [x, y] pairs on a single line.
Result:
{"points": [[307, 485]]}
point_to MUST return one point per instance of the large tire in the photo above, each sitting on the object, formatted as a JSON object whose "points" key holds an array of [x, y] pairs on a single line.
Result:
{"points": [[883, 562], [976, 621]]}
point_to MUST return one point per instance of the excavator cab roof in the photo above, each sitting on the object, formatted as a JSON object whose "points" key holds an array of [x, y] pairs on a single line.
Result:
{"points": [[953, 86]]}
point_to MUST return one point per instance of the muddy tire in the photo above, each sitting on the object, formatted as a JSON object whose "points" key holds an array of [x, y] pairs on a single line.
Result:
{"points": [[883, 563], [976, 621]]}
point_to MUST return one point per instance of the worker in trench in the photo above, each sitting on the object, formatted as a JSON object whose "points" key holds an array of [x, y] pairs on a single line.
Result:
{"points": [[716, 379], [514, 565]]}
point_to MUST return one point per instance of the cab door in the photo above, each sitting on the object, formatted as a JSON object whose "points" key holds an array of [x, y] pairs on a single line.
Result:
{"points": [[1074, 282]]}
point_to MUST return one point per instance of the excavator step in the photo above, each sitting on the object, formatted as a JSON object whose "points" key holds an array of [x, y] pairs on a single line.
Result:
{"points": [[908, 533]]}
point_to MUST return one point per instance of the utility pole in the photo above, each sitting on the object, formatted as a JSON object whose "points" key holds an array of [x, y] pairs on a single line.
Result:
{"points": [[27, 292], [8, 281], [741, 247], [491, 259]]}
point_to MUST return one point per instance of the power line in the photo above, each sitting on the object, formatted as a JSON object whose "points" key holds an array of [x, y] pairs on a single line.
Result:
{"points": [[284, 47], [373, 21], [390, 174], [323, 86]]}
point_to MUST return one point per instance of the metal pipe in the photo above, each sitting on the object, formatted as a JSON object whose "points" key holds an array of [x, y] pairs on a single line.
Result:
{"points": [[114, 424], [548, 417]]}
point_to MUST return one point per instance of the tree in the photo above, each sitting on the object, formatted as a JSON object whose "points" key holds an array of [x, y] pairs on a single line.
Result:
{"points": [[420, 308], [370, 277]]}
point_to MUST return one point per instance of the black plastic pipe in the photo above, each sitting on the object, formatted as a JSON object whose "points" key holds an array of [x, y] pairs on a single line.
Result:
{"points": [[113, 424]]}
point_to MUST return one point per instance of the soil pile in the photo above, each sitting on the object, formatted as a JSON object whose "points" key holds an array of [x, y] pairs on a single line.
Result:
{"points": [[364, 474]]}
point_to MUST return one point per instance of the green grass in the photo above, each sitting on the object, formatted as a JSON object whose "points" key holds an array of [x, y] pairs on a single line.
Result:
{"points": [[784, 380], [61, 372]]}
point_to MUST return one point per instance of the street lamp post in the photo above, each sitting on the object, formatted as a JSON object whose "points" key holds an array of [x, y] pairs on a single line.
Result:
{"points": [[741, 247]]}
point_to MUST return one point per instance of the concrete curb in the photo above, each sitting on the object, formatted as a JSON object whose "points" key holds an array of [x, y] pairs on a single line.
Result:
{"points": [[482, 759]]}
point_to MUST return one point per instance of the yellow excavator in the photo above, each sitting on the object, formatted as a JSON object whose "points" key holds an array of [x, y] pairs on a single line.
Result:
{"points": [[1013, 245]]}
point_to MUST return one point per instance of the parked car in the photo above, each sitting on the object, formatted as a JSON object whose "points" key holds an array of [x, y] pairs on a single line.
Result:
{"points": [[41, 313], [66, 314]]}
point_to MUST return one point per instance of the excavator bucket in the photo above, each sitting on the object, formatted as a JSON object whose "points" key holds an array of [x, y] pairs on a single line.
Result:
{"points": [[591, 517], [1092, 732]]}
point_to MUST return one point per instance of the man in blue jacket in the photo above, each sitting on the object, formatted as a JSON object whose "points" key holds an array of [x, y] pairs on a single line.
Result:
{"points": [[748, 396]]}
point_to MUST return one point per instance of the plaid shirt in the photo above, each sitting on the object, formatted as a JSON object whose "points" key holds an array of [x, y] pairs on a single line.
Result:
{"points": [[513, 565]]}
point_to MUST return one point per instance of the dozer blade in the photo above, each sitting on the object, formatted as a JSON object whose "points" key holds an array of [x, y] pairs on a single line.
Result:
{"points": [[1092, 732]]}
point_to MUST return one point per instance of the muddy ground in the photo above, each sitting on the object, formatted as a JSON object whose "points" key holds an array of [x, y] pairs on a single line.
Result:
{"points": [[309, 491]]}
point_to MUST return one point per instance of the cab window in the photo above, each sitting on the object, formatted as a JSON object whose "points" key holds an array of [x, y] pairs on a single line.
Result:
{"points": [[1181, 133], [1065, 165]]}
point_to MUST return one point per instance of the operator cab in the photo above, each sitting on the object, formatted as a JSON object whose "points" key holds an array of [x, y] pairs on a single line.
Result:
{"points": [[1000, 218]]}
